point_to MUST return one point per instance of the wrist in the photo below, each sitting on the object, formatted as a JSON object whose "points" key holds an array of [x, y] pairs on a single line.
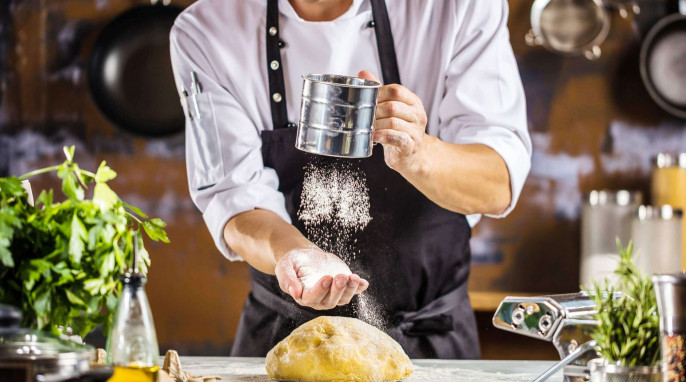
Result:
{"points": [[290, 244], [418, 165]]}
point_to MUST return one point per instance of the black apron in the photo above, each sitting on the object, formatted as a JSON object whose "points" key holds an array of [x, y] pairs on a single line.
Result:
{"points": [[414, 253]]}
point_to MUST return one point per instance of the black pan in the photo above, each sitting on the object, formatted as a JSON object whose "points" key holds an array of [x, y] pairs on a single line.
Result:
{"points": [[130, 74], [663, 62]]}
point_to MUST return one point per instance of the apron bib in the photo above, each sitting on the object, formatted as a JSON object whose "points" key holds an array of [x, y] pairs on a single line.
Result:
{"points": [[414, 253]]}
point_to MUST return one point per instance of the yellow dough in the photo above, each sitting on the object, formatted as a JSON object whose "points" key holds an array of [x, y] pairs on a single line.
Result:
{"points": [[338, 349]]}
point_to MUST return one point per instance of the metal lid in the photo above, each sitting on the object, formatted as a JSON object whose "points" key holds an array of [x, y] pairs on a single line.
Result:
{"points": [[27, 344], [663, 160], [19, 344], [671, 278], [610, 197], [665, 212]]}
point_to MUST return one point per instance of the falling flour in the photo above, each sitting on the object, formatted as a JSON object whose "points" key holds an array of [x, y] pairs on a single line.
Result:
{"points": [[369, 311], [334, 206]]}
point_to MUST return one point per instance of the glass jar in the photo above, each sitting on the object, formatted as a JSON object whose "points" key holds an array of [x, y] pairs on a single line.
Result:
{"points": [[656, 232], [668, 186], [606, 215], [668, 180]]}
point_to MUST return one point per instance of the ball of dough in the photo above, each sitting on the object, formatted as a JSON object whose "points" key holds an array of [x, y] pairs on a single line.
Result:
{"points": [[338, 349]]}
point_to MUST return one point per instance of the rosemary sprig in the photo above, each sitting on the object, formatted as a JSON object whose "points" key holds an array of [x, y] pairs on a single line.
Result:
{"points": [[628, 330]]}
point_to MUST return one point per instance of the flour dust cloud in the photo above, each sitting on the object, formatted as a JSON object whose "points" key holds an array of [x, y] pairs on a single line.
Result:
{"points": [[334, 206]]}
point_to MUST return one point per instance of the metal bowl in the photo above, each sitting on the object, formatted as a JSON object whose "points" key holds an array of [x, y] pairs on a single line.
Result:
{"points": [[337, 115], [569, 27]]}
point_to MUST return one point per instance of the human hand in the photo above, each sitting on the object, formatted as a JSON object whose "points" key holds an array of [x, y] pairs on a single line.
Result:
{"points": [[400, 125], [318, 279]]}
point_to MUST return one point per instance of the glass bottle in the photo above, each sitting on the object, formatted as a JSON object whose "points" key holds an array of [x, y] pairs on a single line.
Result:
{"points": [[132, 343]]}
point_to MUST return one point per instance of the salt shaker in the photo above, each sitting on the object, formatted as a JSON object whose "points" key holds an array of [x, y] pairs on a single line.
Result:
{"points": [[670, 290]]}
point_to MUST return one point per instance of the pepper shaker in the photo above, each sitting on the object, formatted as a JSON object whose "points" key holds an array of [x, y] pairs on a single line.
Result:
{"points": [[670, 291]]}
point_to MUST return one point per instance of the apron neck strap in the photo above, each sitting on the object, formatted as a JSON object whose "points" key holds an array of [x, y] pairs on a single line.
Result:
{"points": [[384, 43], [277, 88]]}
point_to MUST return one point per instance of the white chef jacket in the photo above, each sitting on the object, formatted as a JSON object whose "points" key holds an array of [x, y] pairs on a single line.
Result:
{"points": [[454, 54]]}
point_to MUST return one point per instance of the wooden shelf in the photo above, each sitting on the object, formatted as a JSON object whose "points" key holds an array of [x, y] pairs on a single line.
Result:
{"points": [[487, 301]]}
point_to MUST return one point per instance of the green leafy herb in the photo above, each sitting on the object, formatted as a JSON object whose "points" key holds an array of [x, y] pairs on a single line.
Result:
{"points": [[628, 330], [60, 263]]}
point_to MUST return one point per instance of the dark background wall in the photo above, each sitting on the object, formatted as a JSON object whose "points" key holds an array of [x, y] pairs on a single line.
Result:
{"points": [[592, 124]]}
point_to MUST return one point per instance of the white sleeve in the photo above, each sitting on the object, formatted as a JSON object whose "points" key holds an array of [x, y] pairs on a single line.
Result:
{"points": [[226, 175], [484, 100]]}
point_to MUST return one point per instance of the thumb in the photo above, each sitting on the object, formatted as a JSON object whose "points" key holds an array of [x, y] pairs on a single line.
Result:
{"points": [[288, 280], [367, 75]]}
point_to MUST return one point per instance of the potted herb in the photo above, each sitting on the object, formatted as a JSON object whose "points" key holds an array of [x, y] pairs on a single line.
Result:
{"points": [[60, 262], [628, 331]]}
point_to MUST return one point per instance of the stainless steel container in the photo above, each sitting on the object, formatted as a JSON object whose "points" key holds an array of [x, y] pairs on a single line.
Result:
{"points": [[606, 215], [670, 291], [337, 115]]}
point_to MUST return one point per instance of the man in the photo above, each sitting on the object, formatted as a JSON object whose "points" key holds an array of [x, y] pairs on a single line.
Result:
{"points": [[454, 146]]}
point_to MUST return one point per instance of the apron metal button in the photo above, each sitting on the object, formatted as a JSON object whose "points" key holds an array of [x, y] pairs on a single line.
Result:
{"points": [[277, 97], [274, 65], [272, 31]]}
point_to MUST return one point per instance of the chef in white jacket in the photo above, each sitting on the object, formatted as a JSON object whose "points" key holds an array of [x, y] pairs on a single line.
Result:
{"points": [[452, 128]]}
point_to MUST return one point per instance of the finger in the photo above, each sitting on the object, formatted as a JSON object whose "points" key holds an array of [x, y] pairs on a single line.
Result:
{"points": [[398, 139], [350, 290], [362, 286], [395, 92], [339, 286], [288, 280], [367, 75], [397, 124], [395, 109], [313, 296]]}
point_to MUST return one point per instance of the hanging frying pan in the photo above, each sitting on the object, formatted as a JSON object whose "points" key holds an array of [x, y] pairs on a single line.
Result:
{"points": [[569, 27], [130, 75], [663, 62]]}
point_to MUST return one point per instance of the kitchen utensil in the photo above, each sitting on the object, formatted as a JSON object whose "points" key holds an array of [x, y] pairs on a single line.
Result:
{"points": [[663, 62], [577, 353], [130, 74], [656, 232], [29, 355], [605, 216], [569, 27], [566, 320], [601, 371], [337, 115], [670, 291]]}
